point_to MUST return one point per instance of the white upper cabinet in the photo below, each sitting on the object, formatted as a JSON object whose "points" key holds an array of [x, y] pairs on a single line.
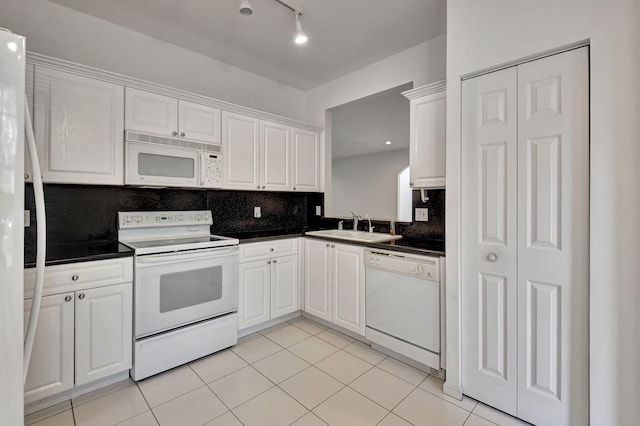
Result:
{"points": [[198, 122], [305, 170], [275, 156], [79, 128], [167, 116], [241, 144], [427, 135]]}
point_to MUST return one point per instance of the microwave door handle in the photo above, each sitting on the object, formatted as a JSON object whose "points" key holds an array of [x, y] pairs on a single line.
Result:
{"points": [[203, 167]]}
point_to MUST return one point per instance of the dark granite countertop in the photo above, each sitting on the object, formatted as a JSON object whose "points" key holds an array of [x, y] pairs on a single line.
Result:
{"points": [[413, 246], [258, 236], [58, 254]]}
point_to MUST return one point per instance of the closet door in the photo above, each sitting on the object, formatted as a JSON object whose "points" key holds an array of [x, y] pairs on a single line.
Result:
{"points": [[553, 224], [489, 233]]}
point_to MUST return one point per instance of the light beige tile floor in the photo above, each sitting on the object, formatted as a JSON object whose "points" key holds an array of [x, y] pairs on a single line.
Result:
{"points": [[297, 373]]}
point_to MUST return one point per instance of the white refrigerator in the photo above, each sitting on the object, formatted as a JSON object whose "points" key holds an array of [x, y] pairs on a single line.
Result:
{"points": [[12, 81]]}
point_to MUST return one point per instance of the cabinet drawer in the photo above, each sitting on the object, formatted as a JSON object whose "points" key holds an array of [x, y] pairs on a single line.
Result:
{"points": [[79, 276], [265, 250]]}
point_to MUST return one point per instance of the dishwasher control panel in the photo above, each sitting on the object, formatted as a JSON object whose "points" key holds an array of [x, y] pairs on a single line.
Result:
{"points": [[425, 267]]}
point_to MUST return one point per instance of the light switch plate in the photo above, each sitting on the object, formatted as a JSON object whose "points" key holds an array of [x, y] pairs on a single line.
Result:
{"points": [[422, 215], [257, 212], [318, 211], [27, 218]]}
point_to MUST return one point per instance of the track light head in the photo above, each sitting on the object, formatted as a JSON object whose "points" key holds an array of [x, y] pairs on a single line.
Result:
{"points": [[300, 37], [245, 8]]}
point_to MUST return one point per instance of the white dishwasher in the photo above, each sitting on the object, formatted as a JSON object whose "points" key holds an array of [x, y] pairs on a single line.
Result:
{"points": [[403, 304]]}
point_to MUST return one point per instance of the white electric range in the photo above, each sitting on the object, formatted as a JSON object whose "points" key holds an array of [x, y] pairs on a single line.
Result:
{"points": [[185, 288]]}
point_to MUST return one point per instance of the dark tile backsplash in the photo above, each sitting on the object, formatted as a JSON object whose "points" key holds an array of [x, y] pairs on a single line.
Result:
{"points": [[80, 213]]}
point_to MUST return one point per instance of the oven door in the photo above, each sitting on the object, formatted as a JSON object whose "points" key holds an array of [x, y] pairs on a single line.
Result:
{"points": [[175, 289], [149, 164]]}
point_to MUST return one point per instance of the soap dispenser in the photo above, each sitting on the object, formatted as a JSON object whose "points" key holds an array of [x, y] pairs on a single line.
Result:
{"points": [[392, 228]]}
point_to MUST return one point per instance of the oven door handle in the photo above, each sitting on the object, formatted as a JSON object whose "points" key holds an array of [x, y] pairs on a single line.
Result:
{"points": [[176, 257]]}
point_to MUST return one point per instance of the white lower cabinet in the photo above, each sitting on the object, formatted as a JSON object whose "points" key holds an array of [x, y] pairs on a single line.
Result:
{"points": [[83, 335], [334, 283], [268, 286]]}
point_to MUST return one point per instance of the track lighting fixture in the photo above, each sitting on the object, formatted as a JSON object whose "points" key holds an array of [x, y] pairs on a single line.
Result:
{"points": [[245, 8], [300, 37]]}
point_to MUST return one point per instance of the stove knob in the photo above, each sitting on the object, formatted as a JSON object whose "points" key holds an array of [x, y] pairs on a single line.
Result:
{"points": [[419, 269], [181, 217], [198, 217], [206, 217], [138, 219]]}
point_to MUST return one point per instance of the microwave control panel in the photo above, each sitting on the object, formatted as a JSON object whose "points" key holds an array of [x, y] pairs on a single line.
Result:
{"points": [[211, 170]]}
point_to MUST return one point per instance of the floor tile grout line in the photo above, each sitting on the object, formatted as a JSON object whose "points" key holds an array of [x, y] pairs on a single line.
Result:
{"points": [[102, 389], [321, 402], [444, 399]]}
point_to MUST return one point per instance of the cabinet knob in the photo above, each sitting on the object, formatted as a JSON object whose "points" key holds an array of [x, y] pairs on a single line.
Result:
{"points": [[74, 278], [175, 133], [81, 296], [294, 188], [67, 299], [333, 246], [258, 186], [268, 262], [274, 261], [328, 245], [492, 257], [263, 186], [26, 175], [271, 249], [182, 134]]}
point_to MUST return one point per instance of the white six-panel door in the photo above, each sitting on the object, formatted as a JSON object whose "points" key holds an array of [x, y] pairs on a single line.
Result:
{"points": [[525, 187], [489, 249], [553, 239]]}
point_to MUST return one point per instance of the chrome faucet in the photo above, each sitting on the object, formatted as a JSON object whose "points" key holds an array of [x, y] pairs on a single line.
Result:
{"points": [[366, 216], [355, 221]]}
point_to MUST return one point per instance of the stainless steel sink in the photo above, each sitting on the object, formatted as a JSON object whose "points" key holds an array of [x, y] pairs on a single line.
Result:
{"points": [[354, 236]]}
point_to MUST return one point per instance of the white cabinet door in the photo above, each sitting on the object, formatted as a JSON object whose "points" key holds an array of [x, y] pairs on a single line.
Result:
{"points": [[254, 293], [151, 113], [305, 162], [51, 367], [199, 122], [241, 142], [489, 161], [317, 278], [427, 135], [103, 332], [275, 156], [348, 287], [79, 128], [284, 285]]}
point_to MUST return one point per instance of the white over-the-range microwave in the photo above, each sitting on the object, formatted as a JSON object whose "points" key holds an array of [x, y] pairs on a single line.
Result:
{"points": [[152, 160]]}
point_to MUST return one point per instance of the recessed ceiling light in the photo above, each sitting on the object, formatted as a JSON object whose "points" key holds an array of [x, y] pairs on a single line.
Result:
{"points": [[387, 143]]}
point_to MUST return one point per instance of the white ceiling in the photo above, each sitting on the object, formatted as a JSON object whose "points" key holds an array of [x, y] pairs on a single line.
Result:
{"points": [[363, 126], [344, 35]]}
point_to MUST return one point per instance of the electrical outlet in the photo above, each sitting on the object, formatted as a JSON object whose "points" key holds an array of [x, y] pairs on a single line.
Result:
{"points": [[257, 212], [27, 218], [318, 211], [422, 215]]}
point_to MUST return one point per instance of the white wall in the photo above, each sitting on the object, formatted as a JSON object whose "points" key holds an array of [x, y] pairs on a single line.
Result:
{"points": [[63, 33], [422, 64], [368, 184], [483, 34]]}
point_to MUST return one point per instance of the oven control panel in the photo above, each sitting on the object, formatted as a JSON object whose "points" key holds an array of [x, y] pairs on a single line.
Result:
{"points": [[160, 219]]}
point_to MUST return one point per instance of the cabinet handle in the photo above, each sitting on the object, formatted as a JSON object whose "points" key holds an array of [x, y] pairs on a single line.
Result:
{"points": [[81, 296], [67, 299], [274, 261], [175, 133], [26, 175], [182, 134], [74, 278], [492, 257]]}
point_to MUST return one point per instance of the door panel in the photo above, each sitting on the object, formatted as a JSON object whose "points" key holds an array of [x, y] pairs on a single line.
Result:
{"points": [[199, 122], [317, 278], [241, 141], [284, 285], [348, 287], [275, 154], [254, 293], [151, 113], [553, 258], [489, 247]]}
